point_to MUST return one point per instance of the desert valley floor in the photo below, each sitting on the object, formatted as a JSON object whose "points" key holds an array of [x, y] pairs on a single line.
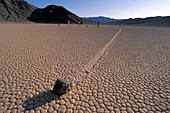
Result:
{"points": [[131, 76]]}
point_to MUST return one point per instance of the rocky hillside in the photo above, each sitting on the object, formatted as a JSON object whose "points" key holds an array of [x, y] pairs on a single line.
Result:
{"points": [[54, 14], [15, 10], [21, 11]]}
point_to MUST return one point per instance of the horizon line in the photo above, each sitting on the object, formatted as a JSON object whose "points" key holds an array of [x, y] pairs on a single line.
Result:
{"points": [[121, 18]]}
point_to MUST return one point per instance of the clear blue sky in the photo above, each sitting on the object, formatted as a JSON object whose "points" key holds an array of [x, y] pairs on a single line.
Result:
{"points": [[119, 9]]}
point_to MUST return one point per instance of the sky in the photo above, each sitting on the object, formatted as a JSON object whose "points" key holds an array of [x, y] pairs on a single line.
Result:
{"points": [[119, 9]]}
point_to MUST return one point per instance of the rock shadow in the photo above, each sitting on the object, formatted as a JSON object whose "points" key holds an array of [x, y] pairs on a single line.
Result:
{"points": [[39, 100]]}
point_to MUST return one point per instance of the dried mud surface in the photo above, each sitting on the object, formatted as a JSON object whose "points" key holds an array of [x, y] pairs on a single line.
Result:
{"points": [[133, 75]]}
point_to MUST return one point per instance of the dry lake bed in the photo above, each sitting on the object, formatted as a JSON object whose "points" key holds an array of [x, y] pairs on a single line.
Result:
{"points": [[128, 68]]}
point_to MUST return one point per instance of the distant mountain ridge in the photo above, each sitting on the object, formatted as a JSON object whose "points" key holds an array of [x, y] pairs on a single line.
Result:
{"points": [[152, 21], [100, 19], [21, 11]]}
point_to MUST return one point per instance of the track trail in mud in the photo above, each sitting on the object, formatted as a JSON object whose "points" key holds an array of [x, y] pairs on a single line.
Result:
{"points": [[92, 63]]}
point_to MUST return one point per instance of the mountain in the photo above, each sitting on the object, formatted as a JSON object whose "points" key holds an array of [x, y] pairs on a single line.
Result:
{"points": [[15, 10], [150, 21], [54, 14], [21, 11], [100, 19]]}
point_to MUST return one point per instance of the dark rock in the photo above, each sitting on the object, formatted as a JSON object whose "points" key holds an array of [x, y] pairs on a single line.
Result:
{"points": [[61, 87], [54, 14], [15, 10]]}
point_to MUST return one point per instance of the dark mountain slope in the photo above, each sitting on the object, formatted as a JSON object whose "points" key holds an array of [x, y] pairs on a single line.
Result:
{"points": [[54, 14], [15, 10]]}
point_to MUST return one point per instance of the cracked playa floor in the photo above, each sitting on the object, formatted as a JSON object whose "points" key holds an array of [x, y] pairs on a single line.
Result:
{"points": [[133, 75]]}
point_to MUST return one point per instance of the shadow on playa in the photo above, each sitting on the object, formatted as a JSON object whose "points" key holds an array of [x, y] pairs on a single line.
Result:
{"points": [[40, 100]]}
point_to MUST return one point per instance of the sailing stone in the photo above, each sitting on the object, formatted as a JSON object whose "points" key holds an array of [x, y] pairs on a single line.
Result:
{"points": [[61, 87]]}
